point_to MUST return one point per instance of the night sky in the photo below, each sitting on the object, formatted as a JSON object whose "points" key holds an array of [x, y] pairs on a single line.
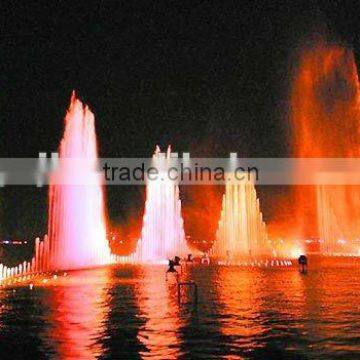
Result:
{"points": [[208, 77]]}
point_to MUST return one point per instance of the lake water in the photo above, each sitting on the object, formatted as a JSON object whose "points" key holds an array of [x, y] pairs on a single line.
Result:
{"points": [[131, 312]]}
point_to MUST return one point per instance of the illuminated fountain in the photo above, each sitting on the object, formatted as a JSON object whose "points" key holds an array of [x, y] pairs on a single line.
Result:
{"points": [[38, 263], [242, 231], [77, 226], [325, 117], [163, 234]]}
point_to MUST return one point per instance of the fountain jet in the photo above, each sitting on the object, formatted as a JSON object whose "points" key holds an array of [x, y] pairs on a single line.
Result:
{"points": [[163, 234], [242, 231], [325, 118], [77, 226]]}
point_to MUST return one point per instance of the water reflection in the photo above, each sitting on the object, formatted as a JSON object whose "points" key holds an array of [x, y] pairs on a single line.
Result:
{"points": [[201, 335], [119, 339], [21, 325], [157, 301], [131, 312], [76, 311], [278, 313], [241, 306]]}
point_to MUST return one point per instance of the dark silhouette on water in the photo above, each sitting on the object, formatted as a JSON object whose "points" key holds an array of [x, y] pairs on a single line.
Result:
{"points": [[303, 263], [177, 261], [171, 268]]}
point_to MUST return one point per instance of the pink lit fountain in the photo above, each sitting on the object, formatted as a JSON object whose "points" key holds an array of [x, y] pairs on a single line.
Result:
{"points": [[77, 225]]}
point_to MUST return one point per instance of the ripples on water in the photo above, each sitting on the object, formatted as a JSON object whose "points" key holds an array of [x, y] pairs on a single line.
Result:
{"points": [[132, 313]]}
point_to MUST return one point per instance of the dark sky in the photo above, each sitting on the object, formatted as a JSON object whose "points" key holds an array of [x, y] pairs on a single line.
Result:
{"points": [[208, 77]]}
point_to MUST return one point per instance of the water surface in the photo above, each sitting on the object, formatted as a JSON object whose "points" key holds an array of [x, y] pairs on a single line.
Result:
{"points": [[131, 312]]}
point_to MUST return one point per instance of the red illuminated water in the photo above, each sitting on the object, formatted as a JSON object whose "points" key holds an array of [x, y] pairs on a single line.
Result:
{"points": [[131, 312], [325, 117]]}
